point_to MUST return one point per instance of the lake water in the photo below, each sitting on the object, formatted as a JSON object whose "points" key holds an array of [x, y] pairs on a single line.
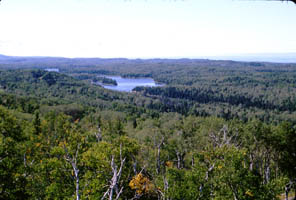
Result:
{"points": [[52, 70], [128, 84]]}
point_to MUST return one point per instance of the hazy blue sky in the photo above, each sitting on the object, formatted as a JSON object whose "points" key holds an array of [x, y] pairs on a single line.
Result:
{"points": [[145, 28]]}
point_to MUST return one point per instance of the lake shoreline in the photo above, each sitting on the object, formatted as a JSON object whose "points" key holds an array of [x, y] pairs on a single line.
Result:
{"points": [[128, 84]]}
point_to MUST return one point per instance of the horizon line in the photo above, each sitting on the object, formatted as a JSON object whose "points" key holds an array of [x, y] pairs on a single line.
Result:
{"points": [[156, 57]]}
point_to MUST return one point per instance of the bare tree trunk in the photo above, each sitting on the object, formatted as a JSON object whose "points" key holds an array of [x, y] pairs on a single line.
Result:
{"points": [[158, 163], [158, 160], [234, 192], [206, 179], [267, 169], [114, 183], [251, 162], [99, 134], [288, 189], [166, 184], [25, 160], [76, 171], [287, 194], [73, 162], [178, 160], [223, 138], [134, 165], [209, 170], [165, 187]]}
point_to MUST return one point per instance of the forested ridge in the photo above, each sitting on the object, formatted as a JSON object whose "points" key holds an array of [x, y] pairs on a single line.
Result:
{"points": [[214, 130]]}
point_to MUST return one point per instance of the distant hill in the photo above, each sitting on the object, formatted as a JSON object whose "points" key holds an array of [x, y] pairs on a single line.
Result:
{"points": [[48, 59], [263, 57], [3, 57]]}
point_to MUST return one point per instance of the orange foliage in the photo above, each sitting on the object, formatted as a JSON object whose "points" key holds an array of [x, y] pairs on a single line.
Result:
{"points": [[142, 184]]}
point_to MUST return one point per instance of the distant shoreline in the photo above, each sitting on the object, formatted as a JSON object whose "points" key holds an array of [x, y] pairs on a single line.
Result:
{"points": [[260, 57]]}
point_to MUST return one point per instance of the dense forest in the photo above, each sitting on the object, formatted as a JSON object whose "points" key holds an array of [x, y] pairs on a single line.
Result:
{"points": [[213, 130]]}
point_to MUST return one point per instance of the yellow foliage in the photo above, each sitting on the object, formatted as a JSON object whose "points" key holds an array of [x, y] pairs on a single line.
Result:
{"points": [[61, 144], [169, 164], [249, 193], [38, 144], [28, 151], [219, 166], [141, 184]]}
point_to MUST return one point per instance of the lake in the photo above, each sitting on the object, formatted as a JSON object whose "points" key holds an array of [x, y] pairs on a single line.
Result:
{"points": [[128, 84], [52, 70]]}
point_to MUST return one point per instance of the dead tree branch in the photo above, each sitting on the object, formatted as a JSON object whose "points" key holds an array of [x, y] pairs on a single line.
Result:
{"points": [[114, 182]]}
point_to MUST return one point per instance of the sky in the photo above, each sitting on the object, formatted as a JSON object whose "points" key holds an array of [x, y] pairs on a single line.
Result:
{"points": [[146, 28]]}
